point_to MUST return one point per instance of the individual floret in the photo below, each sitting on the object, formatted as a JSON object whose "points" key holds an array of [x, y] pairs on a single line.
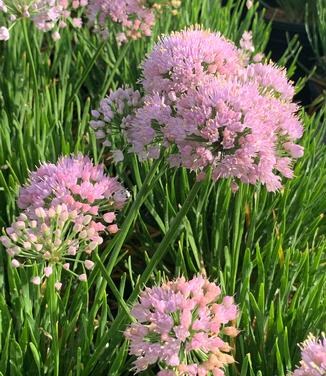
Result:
{"points": [[313, 353]]}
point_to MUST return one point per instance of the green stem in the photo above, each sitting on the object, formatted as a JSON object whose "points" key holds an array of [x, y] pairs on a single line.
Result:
{"points": [[133, 212], [86, 72], [237, 236], [121, 318], [165, 243], [35, 80], [53, 309], [113, 287], [122, 54]]}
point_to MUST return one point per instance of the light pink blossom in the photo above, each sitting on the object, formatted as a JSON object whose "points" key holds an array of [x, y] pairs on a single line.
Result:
{"points": [[135, 17], [211, 108], [65, 211], [45, 14], [177, 316], [183, 60]]}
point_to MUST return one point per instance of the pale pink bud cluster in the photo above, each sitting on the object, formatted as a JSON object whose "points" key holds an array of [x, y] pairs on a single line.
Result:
{"points": [[113, 114], [313, 353], [55, 235], [47, 15], [214, 110], [182, 327], [67, 208], [135, 17]]}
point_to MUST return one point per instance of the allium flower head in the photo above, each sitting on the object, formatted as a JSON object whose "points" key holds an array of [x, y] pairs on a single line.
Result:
{"points": [[135, 17], [270, 79], [113, 112], [181, 321], [313, 353], [67, 207], [212, 109], [45, 14], [187, 59], [73, 181], [130, 19], [229, 126]]}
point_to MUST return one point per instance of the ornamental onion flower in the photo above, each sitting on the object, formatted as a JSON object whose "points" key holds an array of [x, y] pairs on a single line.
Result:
{"points": [[212, 109], [182, 327], [114, 112], [184, 60], [45, 14], [73, 181], [66, 209], [313, 353], [135, 17]]}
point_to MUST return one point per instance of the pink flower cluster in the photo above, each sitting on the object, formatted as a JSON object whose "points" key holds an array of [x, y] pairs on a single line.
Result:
{"points": [[179, 328], [313, 352], [136, 17], [66, 208], [46, 14], [114, 112], [188, 59], [73, 181], [213, 109]]}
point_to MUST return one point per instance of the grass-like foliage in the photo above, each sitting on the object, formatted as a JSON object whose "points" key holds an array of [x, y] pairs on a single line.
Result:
{"points": [[267, 250]]}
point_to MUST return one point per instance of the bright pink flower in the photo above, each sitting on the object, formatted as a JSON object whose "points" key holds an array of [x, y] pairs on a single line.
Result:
{"points": [[36, 281], [15, 263], [48, 270], [58, 286], [53, 239], [181, 315], [83, 277], [113, 111], [227, 125], [246, 42], [271, 78], [89, 265], [109, 217]]}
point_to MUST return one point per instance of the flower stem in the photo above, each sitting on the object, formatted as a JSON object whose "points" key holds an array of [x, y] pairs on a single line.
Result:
{"points": [[86, 73], [119, 239], [53, 309], [121, 319], [35, 80], [122, 54], [113, 287]]}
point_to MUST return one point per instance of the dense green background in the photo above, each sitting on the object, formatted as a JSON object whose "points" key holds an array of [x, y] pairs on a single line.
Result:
{"points": [[268, 250]]}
